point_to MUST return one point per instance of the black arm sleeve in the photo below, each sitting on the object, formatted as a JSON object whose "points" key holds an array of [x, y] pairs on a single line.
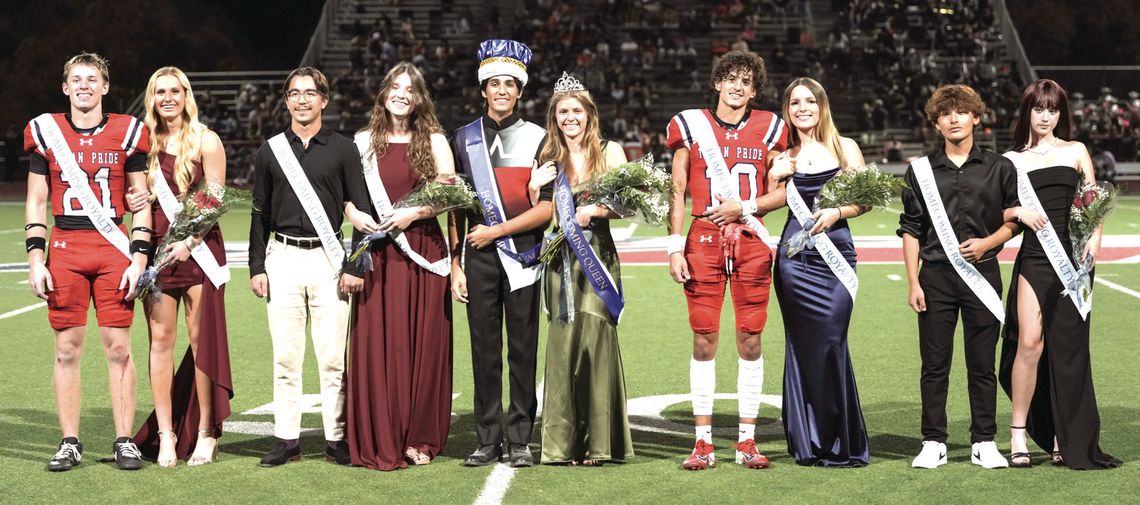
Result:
{"points": [[911, 221], [136, 163], [37, 164], [260, 217], [356, 191]]}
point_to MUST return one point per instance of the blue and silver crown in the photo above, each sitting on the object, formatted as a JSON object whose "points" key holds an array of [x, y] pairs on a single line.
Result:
{"points": [[503, 57]]}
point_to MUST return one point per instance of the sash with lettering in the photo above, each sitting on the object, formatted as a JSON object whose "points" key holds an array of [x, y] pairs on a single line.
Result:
{"points": [[218, 274], [823, 243], [383, 205], [722, 182], [1058, 258], [76, 178], [522, 269], [308, 198], [945, 231], [595, 271]]}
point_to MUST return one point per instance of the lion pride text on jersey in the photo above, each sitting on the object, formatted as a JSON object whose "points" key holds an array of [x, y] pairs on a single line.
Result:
{"points": [[102, 153], [745, 148]]}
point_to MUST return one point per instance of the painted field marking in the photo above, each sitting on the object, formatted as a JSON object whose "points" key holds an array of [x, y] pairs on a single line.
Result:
{"points": [[894, 277], [22, 310], [1118, 287], [496, 485]]}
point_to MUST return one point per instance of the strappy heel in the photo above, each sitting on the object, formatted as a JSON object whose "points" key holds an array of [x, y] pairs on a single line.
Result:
{"points": [[170, 460], [197, 459], [1019, 459]]}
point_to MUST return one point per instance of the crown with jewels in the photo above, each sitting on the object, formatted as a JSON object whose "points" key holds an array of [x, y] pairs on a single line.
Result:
{"points": [[567, 83]]}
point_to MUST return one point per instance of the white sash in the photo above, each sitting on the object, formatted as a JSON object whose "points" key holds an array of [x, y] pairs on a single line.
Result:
{"points": [[76, 178], [308, 198], [218, 274], [722, 183], [945, 231], [823, 243], [383, 205], [1060, 261]]}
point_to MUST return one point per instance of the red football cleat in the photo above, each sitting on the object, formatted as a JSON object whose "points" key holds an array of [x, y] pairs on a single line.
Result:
{"points": [[702, 457], [747, 455]]}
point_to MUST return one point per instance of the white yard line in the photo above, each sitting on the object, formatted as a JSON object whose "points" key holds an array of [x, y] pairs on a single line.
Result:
{"points": [[496, 485], [1118, 287], [22, 310], [894, 277]]}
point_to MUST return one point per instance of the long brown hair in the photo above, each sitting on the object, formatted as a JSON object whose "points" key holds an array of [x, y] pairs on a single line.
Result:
{"points": [[556, 148], [422, 121], [189, 137], [1050, 95], [825, 131]]}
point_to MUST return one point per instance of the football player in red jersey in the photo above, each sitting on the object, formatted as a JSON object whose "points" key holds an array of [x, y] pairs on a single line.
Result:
{"points": [[92, 257], [722, 157]]}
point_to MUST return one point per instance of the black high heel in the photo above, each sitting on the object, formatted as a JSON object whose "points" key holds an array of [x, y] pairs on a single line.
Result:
{"points": [[1020, 459]]}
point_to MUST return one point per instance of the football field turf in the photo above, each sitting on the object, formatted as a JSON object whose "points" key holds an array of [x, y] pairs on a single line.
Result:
{"points": [[656, 346]]}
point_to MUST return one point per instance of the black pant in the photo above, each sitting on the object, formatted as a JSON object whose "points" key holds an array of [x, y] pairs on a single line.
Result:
{"points": [[489, 298], [946, 295]]}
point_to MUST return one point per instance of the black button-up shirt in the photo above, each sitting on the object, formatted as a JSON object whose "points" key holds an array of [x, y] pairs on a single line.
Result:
{"points": [[332, 165], [975, 196]]}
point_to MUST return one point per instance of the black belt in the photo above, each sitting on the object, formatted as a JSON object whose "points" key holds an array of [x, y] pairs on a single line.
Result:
{"points": [[301, 243]]}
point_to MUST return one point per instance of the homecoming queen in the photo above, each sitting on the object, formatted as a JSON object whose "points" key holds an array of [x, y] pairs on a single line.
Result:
{"points": [[584, 419]]}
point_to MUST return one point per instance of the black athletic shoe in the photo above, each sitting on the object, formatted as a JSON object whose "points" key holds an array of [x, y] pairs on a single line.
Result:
{"points": [[69, 455], [127, 455]]}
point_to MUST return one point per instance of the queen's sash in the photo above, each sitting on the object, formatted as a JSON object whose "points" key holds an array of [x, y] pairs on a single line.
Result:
{"points": [[334, 250], [823, 243], [949, 240], [76, 178], [595, 271], [1053, 247], [522, 269], [218, 274], [721, 181], [383, 205]]}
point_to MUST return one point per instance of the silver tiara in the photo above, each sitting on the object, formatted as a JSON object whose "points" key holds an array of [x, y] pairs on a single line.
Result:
{"points": [[567, 83]]}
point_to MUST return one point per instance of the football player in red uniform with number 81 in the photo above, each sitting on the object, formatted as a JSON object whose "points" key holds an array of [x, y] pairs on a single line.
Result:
{"points": [[91, 254], [721, 157]]}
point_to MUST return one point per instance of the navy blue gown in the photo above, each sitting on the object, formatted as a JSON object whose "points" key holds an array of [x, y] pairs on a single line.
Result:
{"points": [[822, 418]]}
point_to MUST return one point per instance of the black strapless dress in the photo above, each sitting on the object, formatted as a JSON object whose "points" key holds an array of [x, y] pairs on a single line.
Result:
{"points": [[1064, 403]]}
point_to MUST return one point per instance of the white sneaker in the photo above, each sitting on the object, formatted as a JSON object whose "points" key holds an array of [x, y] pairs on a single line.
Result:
{"points": [[986, 455], [933, 455]]}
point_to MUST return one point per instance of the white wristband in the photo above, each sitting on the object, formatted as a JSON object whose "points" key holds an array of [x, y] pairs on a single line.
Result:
{"points": [[748, 207], [674, 244]]}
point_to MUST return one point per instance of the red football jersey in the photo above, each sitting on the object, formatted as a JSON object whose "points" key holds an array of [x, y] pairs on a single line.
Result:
{"points": [[102, 154], [745, 149]]}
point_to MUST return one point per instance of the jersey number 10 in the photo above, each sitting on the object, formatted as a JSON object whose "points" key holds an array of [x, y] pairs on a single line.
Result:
{"points": [[745, 175]]}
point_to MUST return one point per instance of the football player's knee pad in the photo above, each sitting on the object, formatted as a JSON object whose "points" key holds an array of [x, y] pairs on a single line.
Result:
{"points": [[705, 300]]}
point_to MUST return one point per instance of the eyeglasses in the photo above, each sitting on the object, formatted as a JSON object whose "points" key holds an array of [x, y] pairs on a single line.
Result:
{"points": [[294, 95]]}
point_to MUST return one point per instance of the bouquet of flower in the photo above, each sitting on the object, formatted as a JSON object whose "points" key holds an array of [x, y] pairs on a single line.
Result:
{"points": [[1091, 205], [635, 190], [202, 206], [865, 186], [441, 196]]}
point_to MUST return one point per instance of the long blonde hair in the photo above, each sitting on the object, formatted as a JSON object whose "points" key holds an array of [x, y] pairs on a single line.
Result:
{"points": [[556, 148], [825, 131], [422, 121], [189, 137]]}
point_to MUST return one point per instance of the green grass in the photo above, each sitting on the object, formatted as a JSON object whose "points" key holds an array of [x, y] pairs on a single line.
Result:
{"points": [[656, 345]]}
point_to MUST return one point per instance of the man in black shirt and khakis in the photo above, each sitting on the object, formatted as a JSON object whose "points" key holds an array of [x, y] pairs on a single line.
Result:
{"points": [[956, 209], [302, 179]]}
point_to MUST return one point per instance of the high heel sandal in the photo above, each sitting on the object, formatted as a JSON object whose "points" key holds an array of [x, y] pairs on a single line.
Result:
{"points": [[172, 461], [1057, 459], [415, 457], [1019, 459], [198, 460]]}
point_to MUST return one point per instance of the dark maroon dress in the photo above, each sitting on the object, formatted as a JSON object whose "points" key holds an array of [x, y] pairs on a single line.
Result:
{"points": [[399, 349], [213, 346]]}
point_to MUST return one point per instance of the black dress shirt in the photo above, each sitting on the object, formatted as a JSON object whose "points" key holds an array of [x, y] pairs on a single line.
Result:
{"points": [[332, 165], [975, 196]]}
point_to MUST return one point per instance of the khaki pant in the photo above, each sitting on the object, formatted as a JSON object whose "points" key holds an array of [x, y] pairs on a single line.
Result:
{"points": [[303, 291]]}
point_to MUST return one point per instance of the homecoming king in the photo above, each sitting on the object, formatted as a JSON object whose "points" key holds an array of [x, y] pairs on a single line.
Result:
{"points": [[497, 152]]}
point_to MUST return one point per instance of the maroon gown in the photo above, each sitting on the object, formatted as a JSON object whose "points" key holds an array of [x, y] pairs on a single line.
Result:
{"points": [[213, 347], [399, 348]]}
